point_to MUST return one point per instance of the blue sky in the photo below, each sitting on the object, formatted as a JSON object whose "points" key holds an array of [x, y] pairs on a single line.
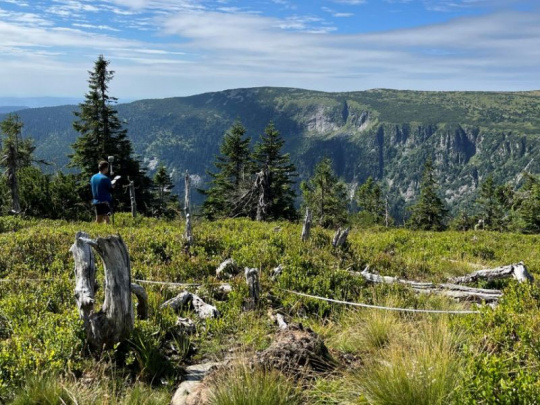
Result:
{"points": [[166, 48]]}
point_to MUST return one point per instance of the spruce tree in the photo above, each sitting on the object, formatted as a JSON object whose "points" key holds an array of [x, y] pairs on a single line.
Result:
{"points": [[369, 199], [164, 198], [102, 135], [429, 213], [489, 203], [325, 196], [279, 170], [528, 206], [16, 154], [232, 178]]}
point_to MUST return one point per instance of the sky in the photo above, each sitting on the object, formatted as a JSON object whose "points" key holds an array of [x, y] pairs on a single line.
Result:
{"points": [[169, 48]]}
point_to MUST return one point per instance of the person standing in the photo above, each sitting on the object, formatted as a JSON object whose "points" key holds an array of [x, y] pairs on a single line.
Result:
{"points": [[102, 193]]}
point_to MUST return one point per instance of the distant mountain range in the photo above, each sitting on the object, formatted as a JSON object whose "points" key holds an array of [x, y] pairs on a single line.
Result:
{"points": [[387, 134], [36, 102]]}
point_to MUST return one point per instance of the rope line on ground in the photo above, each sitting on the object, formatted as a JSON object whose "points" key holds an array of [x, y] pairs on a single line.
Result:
{"points": [[357, 304]]}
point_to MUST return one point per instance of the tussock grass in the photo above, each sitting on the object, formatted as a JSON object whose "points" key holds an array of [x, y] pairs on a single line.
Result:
{"points": [[421, 367], [245, 386]]}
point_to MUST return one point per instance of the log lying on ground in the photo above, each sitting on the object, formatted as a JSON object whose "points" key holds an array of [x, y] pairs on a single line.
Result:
{"points": [[227, 269], [277, 272], [518, 271], [278, 318], [114, 322], [457, 292], [202, 309], [340, 237]]}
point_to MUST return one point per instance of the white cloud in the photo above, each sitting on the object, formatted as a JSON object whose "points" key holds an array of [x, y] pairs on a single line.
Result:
{"points": [[351, 2]]}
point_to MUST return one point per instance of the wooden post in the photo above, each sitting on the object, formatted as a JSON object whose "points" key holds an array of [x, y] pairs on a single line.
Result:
{"points": [[306, 229], [131, 187], [114, 322]]}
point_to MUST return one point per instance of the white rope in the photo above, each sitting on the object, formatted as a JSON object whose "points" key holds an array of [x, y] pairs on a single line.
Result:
{"points": [[167, 283], [357, 304]]}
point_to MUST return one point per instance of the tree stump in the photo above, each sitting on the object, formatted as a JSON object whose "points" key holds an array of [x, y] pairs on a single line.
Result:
{"points": [[306, 229], [114, 322], [340, 237], [253, 282]]}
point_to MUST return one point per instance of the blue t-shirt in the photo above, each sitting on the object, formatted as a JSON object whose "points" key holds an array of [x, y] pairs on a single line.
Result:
{"points": [[101, 188]]}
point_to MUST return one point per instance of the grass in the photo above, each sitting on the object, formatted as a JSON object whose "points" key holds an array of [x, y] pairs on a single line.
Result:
{"points": [[494, 356], [242, 385]]}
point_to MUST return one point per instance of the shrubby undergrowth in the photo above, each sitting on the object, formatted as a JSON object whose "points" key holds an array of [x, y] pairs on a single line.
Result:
{"points": [[493, 357]]}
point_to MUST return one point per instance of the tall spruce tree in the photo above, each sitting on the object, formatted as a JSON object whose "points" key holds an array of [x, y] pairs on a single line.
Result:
{"points": [[429, 212], [102, 135], [489, 202], [164, 198], [232, 178], [279, 171], [325, 196], [16, 154], [528, 206], [370, 200]]}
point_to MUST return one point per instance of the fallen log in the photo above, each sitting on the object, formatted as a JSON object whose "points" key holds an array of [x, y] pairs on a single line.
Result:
{"points": [[201, 308], [227, 269], [517, 271], [454, 291], [114, 321]]}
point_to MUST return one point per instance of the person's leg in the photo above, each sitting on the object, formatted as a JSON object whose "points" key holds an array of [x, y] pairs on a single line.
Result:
{"points": [[107, 219], [101, 219]]}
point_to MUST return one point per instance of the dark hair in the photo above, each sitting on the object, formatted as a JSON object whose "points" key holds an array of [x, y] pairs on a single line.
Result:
{"points": [[103, 165]]}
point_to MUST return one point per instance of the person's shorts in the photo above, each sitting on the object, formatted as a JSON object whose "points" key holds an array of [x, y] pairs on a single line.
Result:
{"points": [[102, 209]]}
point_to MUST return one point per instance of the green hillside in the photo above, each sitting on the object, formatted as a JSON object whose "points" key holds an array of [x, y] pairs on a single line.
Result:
{"points": [[386, 134]]}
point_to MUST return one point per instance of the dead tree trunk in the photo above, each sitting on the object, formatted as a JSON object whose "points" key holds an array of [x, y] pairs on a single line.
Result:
{"points": [[187, 194], [186, 298], [142, 297], [187, 197], [253, 282], [306, 229], [114, 322], [261, 183], [131, 187], [340, 237], [457, 292], [518, 271]]}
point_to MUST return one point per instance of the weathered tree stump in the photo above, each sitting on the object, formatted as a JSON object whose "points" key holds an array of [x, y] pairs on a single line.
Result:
{"points": [[277, 272], [253, 282], [306, 229], [340, 237], [131, 187], [185, 298], [227, 269], [114, 322], [142, 297]]}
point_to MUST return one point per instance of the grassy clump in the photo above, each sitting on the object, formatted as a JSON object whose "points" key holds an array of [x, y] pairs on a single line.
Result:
{"points": [[244, 386]]}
